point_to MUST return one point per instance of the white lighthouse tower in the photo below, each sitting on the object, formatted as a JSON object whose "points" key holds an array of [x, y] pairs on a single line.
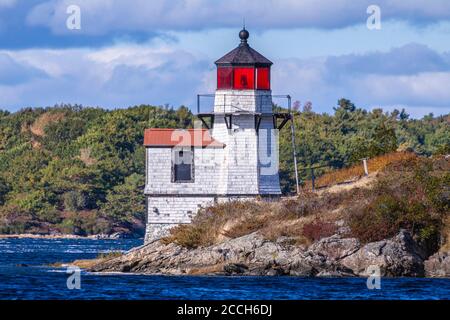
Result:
{"points": [[234, 156], [243, 119]]}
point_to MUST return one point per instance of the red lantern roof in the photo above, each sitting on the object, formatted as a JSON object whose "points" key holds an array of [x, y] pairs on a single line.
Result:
{"points": [[156, 137]]}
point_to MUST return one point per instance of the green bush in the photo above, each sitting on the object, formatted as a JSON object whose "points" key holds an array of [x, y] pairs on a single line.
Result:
{"points": [[412, 195], [74, 200]]}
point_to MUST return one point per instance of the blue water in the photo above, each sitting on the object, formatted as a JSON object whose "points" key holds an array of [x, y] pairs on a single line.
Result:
{"points": [[24, 274]]}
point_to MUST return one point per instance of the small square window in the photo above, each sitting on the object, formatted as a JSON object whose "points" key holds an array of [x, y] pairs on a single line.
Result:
{"points": [[183, 165]]}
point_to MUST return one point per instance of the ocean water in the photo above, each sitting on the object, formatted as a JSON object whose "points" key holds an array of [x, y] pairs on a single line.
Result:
{"points": [[25, 274]]}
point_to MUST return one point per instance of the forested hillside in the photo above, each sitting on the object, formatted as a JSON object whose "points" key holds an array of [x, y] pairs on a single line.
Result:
{"points": [[69, 169], [350, 134]]}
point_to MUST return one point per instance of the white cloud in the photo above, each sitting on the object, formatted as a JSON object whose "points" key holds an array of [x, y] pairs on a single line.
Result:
{"points": [[428, 88], [116, 76], [159, 73], [103, 16], [412, 76], [13, 72]]}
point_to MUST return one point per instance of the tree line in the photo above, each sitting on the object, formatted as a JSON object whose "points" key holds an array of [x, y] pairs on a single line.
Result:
{"points": [[80, 170]]}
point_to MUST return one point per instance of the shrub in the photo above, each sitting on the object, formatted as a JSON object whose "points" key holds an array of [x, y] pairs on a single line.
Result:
{"points": [[4, 189], [14, 220], [110, 255], [409, 194], [209, 222], [318, 229], [74, 200], [189, 236]]}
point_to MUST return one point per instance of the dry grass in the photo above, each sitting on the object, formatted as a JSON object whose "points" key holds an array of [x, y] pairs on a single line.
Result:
{"points": [[355, 172], [85, 156], [271, 219], [36, 144], [83, 264], [88, 263], [446, 235], [38, 127]]}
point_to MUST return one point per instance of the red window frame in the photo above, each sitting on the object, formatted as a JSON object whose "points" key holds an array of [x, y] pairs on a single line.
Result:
{"points": [[263, 78], [244, 78]]}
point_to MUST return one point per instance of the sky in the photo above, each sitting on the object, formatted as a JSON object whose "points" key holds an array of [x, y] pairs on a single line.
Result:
{"points": [[129, 52]]}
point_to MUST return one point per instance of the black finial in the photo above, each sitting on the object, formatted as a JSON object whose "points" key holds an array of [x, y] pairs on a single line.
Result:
{"points": [[244, 34]]}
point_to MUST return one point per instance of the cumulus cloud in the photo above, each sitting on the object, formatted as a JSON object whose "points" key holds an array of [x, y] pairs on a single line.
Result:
{"points": [[422, 89], [412, 76], [12, 72], [117, 76], [103, 16], [406, 60]]}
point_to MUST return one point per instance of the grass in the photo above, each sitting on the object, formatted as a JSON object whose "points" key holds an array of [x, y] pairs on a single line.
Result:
{"points": [[357, 171], [271, 219], [87, 263]]}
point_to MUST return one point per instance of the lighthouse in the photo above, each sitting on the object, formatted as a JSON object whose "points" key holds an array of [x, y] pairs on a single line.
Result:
{"points": [[232, 156]]}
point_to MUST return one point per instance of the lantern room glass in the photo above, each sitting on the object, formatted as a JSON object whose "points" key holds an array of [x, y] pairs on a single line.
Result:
{"points": [[244, 79], [224, 77], [263, 78]]}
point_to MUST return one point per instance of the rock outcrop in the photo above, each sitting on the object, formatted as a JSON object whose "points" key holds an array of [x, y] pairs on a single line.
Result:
{"points": [[254, 255], [438, 265], [399, 256]]}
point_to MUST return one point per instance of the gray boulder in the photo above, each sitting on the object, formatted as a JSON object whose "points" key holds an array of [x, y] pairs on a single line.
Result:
{"points": [[438, 265], [335, 248], [396, 257]]}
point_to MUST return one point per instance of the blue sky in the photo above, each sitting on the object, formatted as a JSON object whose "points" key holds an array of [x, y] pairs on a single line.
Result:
{"points": [[162, 51]]}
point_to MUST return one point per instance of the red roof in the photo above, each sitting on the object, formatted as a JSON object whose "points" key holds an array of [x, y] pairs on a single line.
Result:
{"points": [[156, 137]]}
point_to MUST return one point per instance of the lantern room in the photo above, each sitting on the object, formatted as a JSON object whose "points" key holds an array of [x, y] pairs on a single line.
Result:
{"points": [[243, 68]]}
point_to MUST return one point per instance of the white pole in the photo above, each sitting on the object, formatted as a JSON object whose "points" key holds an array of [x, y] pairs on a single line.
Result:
{"points": [[366, 169], [294, 151]]}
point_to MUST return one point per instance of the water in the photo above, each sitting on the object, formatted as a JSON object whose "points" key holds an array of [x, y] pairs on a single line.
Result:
{"points": [[25, 274]]}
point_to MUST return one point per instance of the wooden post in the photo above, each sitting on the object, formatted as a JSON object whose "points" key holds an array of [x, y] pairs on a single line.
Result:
{"points": [[366, 169], [294, 151], [313, 179]]}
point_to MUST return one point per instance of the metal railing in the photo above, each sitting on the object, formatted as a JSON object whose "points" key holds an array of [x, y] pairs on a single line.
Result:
{"points": [[231, 101]]}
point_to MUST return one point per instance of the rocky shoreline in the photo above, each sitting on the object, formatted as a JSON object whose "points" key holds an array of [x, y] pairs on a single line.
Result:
{"points": [[334, 256]]}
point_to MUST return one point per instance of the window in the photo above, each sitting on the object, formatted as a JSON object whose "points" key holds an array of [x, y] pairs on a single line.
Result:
{"points": [[224, 77], [182, 165], [263, 78], [244, 78]]}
